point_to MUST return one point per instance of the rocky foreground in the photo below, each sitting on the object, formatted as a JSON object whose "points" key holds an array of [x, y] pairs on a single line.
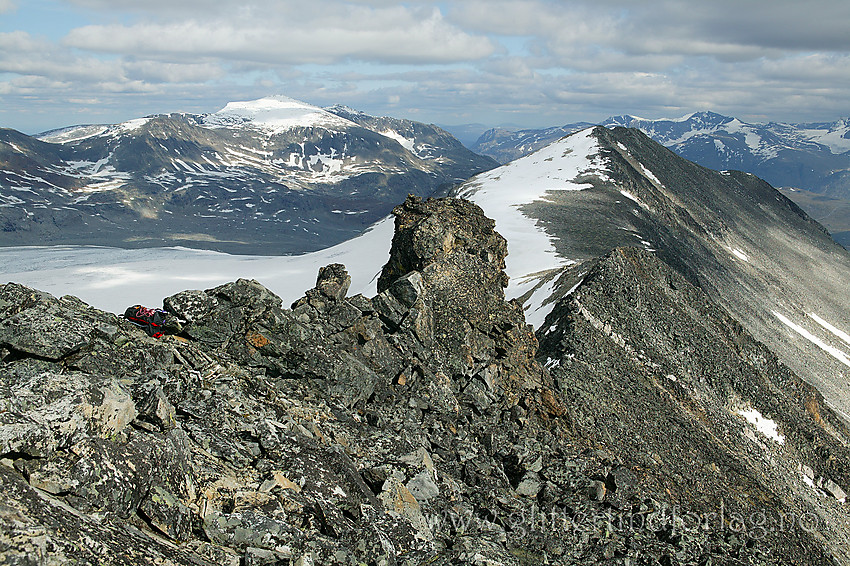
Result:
{"points": [[425, 425]]}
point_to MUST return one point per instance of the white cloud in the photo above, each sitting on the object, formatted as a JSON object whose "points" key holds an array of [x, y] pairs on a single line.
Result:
{"points": [[6, 6], [390, 35], [24, 55], [161, 72]]}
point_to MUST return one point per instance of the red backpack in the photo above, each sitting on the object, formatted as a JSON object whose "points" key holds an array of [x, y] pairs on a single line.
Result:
{"points": [[151, 320]]}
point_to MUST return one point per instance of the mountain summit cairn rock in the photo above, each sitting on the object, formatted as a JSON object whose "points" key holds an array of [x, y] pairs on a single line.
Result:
{"points": [[446, 254], [415, 427]]}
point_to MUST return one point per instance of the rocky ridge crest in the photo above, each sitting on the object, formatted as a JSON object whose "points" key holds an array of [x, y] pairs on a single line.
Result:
{"points": [[417, 426]]}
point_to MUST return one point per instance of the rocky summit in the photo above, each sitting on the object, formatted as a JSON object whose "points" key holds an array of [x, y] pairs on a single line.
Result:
{"points": [[424, 425]]}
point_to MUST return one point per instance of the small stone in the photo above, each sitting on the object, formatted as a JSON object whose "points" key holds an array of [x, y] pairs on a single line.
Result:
{"points": [[284, 482], [260, 557], [408, 288], [167, 513], [529, 486], [333, 281], [597, 490], [834, 490], [362, 303], [423, 487], [397, 499], [106, 331], [155, 411], [389, 308]]}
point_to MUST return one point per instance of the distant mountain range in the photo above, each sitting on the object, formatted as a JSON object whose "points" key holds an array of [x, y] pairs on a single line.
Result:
{"points": [[269, 176], [813, 157], [277, 176]]}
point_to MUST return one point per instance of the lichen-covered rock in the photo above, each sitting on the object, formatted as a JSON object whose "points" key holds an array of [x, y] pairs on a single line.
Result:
{"points": [[154, 408], [446, 255], [426, 231], [48, 411], [44, 331], [15, 298], [333, 281], [191, 305]]}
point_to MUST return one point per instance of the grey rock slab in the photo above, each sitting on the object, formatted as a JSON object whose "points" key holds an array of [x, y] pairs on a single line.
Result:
{"points": [[45, 331]]}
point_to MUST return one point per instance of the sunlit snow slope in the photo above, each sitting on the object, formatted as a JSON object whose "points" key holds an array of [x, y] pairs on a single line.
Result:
{"points": [[112, 279]]}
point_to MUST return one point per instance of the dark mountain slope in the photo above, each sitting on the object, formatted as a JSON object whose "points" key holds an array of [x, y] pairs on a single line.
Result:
{"points": [[650, 368]]}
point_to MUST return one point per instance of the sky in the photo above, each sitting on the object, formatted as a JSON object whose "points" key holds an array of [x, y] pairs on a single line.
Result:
{"points": [[526, 63]]}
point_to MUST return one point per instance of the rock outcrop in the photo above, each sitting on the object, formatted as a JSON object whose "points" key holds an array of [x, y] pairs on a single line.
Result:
{"points": [[417, 426]]}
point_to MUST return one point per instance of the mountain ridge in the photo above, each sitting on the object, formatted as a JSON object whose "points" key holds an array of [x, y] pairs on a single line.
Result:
{"points": [[273, 175], [814, 157], [746, 245], [668, 131]]}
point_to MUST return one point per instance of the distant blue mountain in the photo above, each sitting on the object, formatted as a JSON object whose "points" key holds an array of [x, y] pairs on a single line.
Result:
{"points": [[815, 157]]}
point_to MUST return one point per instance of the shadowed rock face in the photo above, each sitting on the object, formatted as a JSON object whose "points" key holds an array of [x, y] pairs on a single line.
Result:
{"points": [[449, 250], [417, 426], [426, 231]]}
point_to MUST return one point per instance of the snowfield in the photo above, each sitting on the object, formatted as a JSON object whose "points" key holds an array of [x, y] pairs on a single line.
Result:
{"points": [[113, 279], [502, 192], [274, 114]]}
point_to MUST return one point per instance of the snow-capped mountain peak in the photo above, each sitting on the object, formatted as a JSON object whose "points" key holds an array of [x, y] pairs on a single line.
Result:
{"points": [[274, 114], [269, 172]]}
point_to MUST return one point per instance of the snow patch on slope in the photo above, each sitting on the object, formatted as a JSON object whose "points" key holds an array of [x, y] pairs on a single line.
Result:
{"points": [[740, 255], [836, 353], [835, 136], [502, 193], [840, 334], [649, 175], [133, 125], [406, 143], [536, 306], [72, 133], [764, 425]]}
